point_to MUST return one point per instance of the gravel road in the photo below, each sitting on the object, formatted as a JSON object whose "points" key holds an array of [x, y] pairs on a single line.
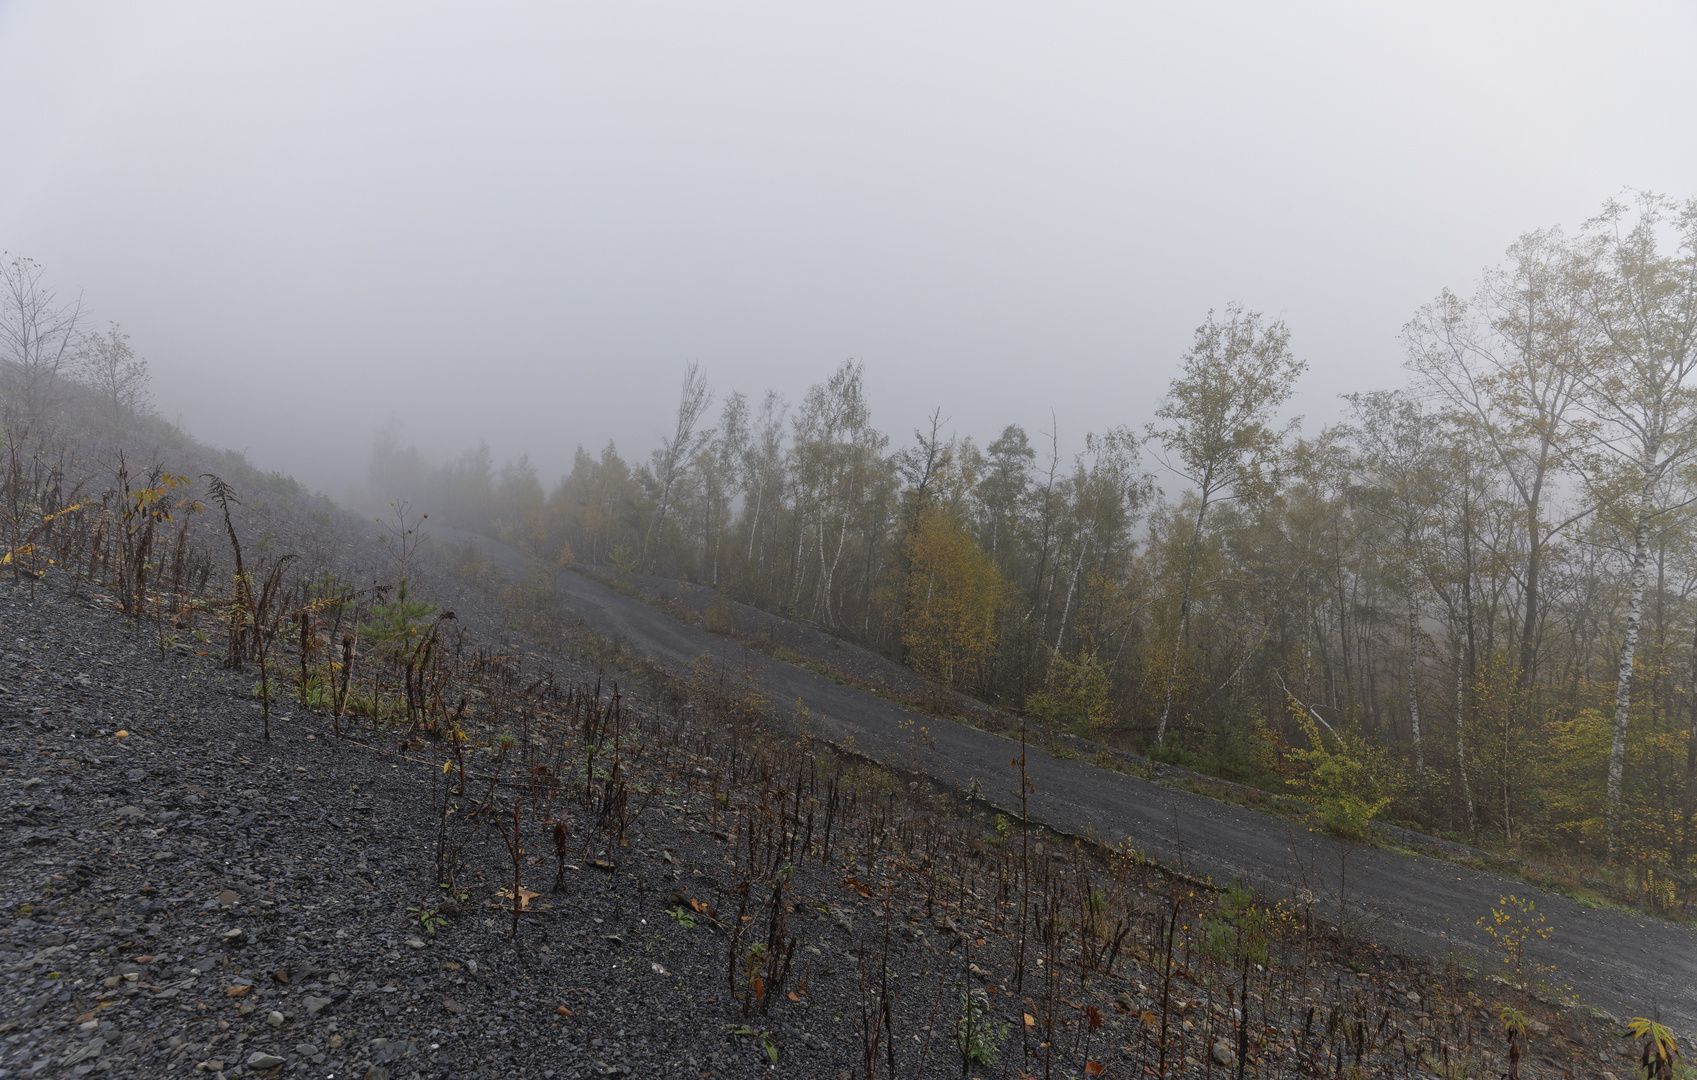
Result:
{"points": [[1621, 961]]}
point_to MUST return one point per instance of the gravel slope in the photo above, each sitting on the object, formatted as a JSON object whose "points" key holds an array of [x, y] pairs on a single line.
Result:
{"points": [[190, 899]]}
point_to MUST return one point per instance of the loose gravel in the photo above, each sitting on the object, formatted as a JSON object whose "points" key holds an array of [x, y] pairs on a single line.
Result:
{"points": [[183, 896]]}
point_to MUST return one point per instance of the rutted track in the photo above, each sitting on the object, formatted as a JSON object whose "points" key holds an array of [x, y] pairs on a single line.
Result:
{"points": [[1626, 963]]}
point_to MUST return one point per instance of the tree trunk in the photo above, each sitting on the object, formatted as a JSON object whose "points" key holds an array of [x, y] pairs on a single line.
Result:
{"points": [[1534, 564], [1182, 631], [660, 519], [1066, 608], [1413, 689], [1461, 735], [1529, 627], [1623, 685], [1691, 771], [754, 524], [1690, 807]]}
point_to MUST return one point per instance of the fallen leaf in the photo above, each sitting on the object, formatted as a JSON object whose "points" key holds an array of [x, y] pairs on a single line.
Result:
{"points": [[1094, 1068], [792, 996], [122, 735], [237, 991], [562, 1010], [525, 896], [1030, 1021], [281, 975]]}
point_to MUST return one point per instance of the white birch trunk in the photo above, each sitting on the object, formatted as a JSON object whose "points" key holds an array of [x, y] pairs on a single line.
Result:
{"points": [[1413, 688], [1623, 685], [1461, 738]]}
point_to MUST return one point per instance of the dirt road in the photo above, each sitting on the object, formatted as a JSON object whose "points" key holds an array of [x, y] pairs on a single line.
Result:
{"points": [[1626, 963]]}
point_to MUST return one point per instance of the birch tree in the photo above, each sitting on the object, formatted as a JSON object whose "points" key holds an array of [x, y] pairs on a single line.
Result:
{"points": [[1509, 362], [1641, 396], [1007, 476], [1396, 463], [1217, 427], [838, 458], [677, 450], [764, 479]]}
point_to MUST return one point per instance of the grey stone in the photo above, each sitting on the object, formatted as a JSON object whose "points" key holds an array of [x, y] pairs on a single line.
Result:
{"points": [[316, 1005], [274, 1018], [305, 1049], [384, 1051], [1224, 1056], [259, 1059], [87, 1050]]}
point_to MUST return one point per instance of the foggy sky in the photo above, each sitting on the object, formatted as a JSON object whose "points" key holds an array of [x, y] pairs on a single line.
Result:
{"points": [[520, 222]]}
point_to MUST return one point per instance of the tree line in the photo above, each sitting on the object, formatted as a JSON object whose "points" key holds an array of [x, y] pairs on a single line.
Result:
{"points": [[1475, 591]]}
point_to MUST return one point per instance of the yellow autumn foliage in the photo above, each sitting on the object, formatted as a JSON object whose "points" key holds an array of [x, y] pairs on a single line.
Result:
{"points": [[953, 595]]}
